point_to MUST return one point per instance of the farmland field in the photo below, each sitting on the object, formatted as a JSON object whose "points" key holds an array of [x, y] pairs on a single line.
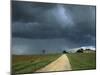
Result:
{"points": [[31, 63], [82, 61]]}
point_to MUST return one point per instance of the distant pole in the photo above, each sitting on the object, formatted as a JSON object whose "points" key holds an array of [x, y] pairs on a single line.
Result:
{"points": [[43, 51]]}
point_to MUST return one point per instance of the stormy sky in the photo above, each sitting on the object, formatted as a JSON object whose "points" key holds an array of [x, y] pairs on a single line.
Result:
{"points": [[53, 27]]}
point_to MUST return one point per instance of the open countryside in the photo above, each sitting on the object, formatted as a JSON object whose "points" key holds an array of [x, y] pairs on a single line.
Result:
{"points": [[52, 37], [53, 62]]}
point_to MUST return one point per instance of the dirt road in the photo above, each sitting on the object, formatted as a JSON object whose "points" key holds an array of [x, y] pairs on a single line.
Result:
{"points": [[61, 64]]}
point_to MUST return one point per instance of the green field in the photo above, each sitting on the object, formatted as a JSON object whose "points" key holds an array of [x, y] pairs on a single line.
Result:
{"points": [[22, 64], [31, 63], [82, 61]]}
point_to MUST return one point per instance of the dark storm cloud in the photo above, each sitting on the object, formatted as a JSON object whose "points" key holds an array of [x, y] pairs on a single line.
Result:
{"points": [[40, 20], [27, 11], [34, 20]]}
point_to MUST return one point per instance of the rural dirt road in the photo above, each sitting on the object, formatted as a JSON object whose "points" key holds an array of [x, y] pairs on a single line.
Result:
{"points": [[61, 64]]}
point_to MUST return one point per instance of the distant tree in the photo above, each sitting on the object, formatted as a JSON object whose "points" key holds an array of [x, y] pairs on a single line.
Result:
{"points": [[65, 51], [43, 51], [80, 51]]}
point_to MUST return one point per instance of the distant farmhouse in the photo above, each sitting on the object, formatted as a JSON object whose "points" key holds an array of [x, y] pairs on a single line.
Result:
{"points": [[82, 50], [85, 50], [88, 51]]}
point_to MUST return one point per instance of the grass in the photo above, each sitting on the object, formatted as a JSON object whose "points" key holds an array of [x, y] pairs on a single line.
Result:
{"points": [[30, 63], [82, 61]]}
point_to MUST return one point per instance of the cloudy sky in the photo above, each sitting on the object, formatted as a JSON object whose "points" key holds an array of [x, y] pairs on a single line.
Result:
{"points": [[53, 27]]}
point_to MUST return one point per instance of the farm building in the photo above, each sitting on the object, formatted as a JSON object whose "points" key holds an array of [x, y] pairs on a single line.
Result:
{"points": [[88, 51]]}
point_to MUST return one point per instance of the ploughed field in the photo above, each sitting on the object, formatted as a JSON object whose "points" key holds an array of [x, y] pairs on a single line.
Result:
{"points": [[30, 63]]}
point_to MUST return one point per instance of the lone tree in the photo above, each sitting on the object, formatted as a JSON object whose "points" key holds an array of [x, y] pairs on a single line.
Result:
{"points": [[65, 51], [43, 51], [80, 51]]}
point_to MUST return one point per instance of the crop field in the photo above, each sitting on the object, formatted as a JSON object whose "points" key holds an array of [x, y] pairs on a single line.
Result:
{"points": [[82, 61], [31, 63], [22, 64]]}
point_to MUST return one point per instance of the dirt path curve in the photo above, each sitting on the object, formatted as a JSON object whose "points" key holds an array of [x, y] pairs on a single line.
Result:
{"points": [[61, 64]]}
